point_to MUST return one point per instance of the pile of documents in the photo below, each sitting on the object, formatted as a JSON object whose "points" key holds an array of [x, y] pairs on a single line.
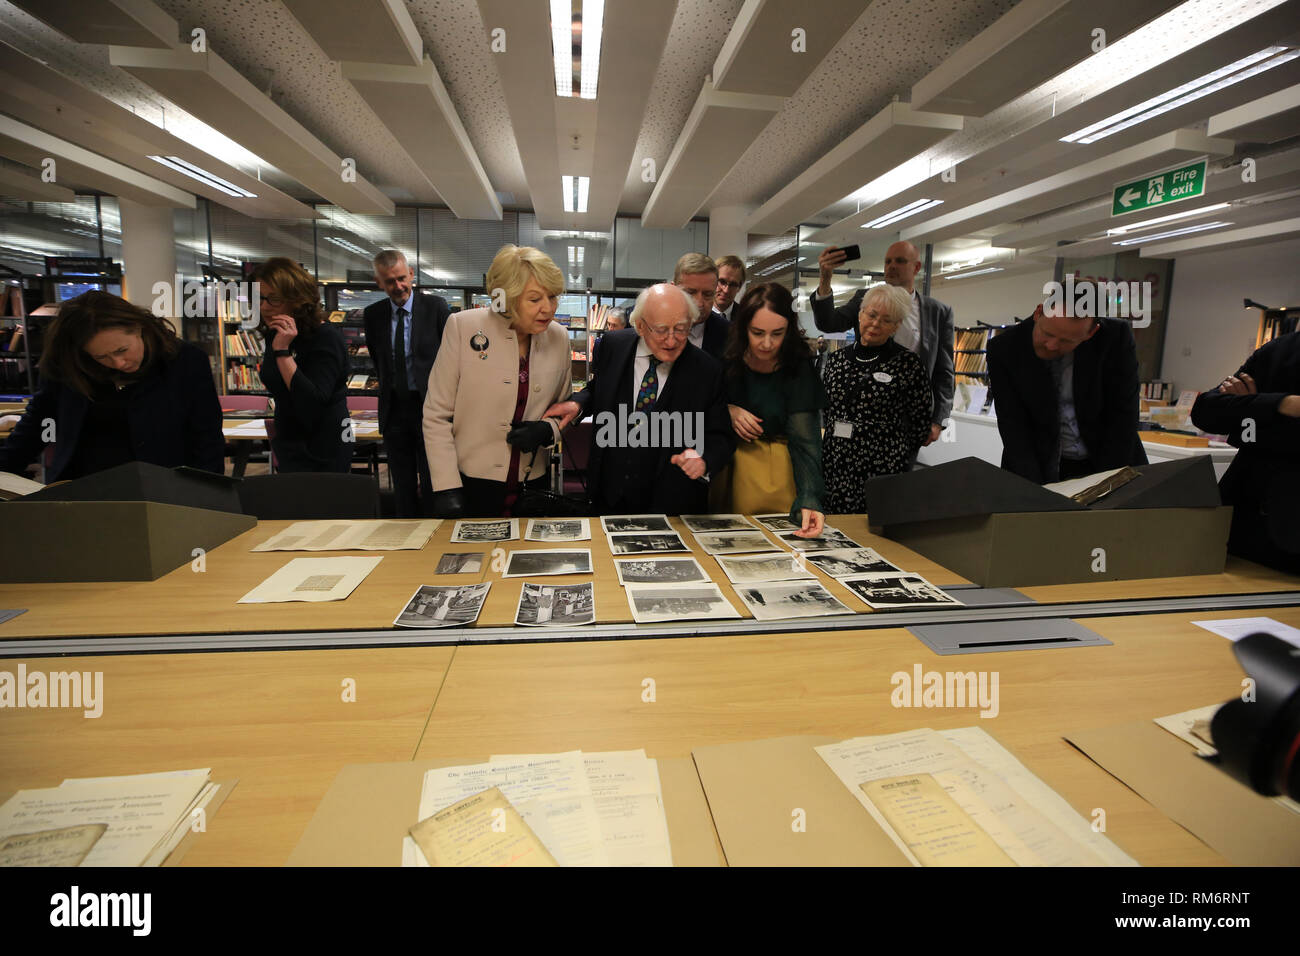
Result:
{"points": [[567, 809], [134, 820], [958, 798]]}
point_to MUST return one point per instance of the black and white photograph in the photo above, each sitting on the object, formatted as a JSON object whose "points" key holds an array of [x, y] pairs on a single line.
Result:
{"points": [[652, 602], [830, 540], [699, 523], [775, 600], [733, 542], [899, 591], [619, 523], [851, 562], [502, 529], [776, 522], [522, 564], [645, 542], [452, 606], [556, 605], [558, 529], [460, 562], [659, 571], [767, 566]]}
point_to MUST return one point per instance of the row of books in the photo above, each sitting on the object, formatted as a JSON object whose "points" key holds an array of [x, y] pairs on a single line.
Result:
{"points": [[1158, 391], [243, 342], [970, 380], [971, 362], [972, 339], [243, 378]]}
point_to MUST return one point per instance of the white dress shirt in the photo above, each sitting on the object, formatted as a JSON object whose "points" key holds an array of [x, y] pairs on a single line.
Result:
{"points": [[639, 366]]}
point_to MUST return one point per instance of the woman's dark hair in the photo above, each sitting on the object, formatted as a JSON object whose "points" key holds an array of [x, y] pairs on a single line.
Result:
{"points": [[777, 298], [294, 284], [64, 358]]}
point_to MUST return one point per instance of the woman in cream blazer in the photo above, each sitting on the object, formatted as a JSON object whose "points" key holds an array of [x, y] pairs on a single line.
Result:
{"points": [[495, 375]]}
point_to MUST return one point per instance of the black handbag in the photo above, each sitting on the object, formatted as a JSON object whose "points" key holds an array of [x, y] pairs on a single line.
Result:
{"points": [[544, 503]]}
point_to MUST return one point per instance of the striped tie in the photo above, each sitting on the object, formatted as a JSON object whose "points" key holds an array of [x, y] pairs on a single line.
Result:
{"points": [[648, 393]]}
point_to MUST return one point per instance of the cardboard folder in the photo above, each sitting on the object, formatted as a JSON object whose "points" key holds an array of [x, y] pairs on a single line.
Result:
{"points": [[369, 807], [1244, 827], [755, 790]]}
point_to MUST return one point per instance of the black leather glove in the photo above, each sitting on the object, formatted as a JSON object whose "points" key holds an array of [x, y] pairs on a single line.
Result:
{"points": [[450, 503], [529, 436]]}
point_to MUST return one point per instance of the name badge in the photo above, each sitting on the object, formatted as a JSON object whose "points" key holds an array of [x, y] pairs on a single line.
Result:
{"points": [[883, 377], [843, 430]]}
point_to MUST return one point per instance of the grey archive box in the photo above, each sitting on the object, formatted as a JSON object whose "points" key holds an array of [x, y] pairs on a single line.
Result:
{"points": [[1000, 530], [135, 522]]}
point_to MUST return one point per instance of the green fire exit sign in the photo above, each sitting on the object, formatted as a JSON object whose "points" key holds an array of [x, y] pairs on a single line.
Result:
{"points": [[1160, 189]]}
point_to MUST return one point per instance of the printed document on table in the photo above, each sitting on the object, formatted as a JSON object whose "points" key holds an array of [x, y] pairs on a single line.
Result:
{"points": [[65, 846], [481, 830], [1235, 628], [550, 791], [387, 535], [141, 812], [934, 828], [312, 579], [1024, 833]]}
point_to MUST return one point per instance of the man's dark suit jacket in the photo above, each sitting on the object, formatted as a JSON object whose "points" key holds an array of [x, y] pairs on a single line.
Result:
{"points": [[634, 480], [935, 350], [1028, 405], [174, 418], [716, 328], [1263, 481], [428, 318]]}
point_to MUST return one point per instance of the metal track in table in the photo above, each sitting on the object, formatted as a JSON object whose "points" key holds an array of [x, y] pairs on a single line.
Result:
{"points": [[747, 627]]}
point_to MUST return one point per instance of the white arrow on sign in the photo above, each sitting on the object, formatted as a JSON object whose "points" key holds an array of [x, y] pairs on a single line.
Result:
{"points": [[1128, 196]]}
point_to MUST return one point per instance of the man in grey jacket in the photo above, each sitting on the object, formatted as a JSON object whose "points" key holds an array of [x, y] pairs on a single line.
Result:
{"points": [[927, 330]]}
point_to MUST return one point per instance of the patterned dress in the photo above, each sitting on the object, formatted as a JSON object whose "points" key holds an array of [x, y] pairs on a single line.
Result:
{"points": [[883, 397]]}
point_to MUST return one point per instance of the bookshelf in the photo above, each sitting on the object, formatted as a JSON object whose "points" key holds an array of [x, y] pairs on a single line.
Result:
{"points": [[1274, 323], [970, 353], [239, 349]]}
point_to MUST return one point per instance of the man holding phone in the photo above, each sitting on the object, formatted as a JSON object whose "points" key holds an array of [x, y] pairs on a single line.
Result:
{"points": [[927, 330]]}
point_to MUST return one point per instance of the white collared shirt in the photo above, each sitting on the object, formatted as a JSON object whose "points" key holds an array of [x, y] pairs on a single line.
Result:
{"points": [[909, 332]]}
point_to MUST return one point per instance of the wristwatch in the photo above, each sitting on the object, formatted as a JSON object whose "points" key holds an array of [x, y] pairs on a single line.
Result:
{"points": [[281, 353]]}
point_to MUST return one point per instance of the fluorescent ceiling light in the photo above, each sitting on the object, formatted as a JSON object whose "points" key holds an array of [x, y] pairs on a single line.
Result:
{"points": [[910, 209], [1212, 82], [575, 42], [1186, 230], [202, 175], [575, 189], [977, 272], [1119, 231], [349, 246]]}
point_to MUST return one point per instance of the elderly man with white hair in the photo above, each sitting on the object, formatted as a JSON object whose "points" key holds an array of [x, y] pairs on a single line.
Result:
{"points": [[660, 411], [878, 404]]}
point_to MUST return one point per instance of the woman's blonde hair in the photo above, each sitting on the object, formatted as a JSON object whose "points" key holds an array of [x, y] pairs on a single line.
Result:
{"points": [[511, 270], [897, 302]]}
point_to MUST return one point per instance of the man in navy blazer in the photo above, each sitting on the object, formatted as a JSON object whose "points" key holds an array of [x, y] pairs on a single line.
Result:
{"points": [[697, 275], [403, 385], [1065, 390], [663, 469], [927, 329]]}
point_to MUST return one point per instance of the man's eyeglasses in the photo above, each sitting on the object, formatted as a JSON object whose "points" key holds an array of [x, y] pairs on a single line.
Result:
{"points": [[730, 283], [663, 331]]}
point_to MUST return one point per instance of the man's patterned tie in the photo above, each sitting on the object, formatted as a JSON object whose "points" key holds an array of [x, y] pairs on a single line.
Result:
{"points": [[649, 391]]}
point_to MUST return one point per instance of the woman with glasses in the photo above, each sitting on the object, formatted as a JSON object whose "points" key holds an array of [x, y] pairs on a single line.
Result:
{"points": [[498, 370], [877, 404], [774, 398], [305, 369]]}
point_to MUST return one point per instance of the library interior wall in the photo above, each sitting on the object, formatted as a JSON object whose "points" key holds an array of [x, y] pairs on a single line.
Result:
{"points": [[1210, 333], [995, 300]]}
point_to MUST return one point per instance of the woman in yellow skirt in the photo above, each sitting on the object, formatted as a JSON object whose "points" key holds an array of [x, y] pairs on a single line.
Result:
{"points": [[774, 398]]}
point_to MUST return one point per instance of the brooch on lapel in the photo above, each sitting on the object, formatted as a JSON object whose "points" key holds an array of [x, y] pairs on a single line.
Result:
{"points": [[479, 343]]}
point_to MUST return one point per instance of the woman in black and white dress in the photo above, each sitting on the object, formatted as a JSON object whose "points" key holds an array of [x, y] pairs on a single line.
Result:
{"points": [[877, 404]]}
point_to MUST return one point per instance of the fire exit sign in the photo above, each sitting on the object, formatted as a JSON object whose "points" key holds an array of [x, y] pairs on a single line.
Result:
{"points": [[1160, 189]]}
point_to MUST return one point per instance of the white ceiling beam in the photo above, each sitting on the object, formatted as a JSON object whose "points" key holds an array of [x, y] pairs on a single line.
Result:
{"points": [[895, 134], [413, 103], [718, 131], [1265, 120], [1255, 235], [1073, 185], [363, 31], [122, 22], [774, 45], [211, 90], [16, 184], [75, 165], [1029, 44]]}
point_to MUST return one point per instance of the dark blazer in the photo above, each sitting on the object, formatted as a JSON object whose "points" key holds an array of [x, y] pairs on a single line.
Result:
{"points": [[174, 416], [309, 416], [935, 349], [1263, 481], [428, 320], [1028, 405], [644, 479], [716, 327]]}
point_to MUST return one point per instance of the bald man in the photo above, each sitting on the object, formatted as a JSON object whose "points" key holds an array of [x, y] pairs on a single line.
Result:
{"points": [[927, 330]]}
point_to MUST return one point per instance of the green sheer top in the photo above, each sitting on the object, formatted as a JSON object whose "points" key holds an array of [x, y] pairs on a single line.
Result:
{"points": [[790, 407]]}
